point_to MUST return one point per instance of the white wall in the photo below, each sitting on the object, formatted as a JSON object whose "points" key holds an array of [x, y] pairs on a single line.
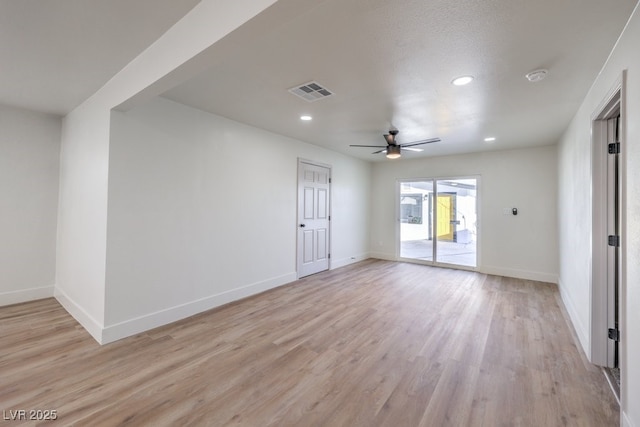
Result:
{"points": [[182, 51], [29, 152], [82, 215], [519, 246], [575, 213], [202, 210]]}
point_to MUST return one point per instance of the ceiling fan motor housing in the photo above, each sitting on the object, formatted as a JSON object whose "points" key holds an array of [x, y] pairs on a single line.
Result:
{"points": [[391, 136]]}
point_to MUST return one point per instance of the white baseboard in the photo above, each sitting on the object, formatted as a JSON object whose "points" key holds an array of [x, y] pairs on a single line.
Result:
{"points": [[24, 295], [346, 261], [90, 324], [163, 317], [519, 274], [578, 326], [498, 271], [383, 256]]}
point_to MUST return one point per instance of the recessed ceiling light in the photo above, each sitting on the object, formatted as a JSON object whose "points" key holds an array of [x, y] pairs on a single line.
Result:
{"points": [[462, 80], [305, 118], [490, 139], [536, 75]]}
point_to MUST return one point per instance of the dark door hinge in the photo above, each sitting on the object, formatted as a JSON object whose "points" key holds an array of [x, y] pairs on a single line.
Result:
{"points": [[614, 148], [329, 256], [614, 241], [614, 334]]}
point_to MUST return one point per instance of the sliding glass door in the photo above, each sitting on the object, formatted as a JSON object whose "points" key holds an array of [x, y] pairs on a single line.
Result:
{"points": [[416, 225], [457, 221], [438, 221]]}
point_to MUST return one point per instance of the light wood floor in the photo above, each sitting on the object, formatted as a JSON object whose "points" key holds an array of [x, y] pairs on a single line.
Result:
{"points": [[372, 344]]}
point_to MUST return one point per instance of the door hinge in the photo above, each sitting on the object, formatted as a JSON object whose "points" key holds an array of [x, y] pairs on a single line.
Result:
{"points": [[329, 256], [329, 217], [614, 334], [614, 241], [614, 148], [330, 178]]}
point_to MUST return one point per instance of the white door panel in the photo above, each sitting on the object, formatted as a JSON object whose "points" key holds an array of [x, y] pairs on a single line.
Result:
{"points": [[322, 204], [307, 246], [322, 239], [308, 203]]}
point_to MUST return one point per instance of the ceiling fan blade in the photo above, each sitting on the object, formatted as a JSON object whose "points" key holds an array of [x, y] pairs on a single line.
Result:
{"points": [[412, 149], [425, 141], [370, 146], [384, 150]]}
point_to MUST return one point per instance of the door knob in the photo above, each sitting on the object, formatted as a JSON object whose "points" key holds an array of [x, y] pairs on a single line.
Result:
{"points": [[302, 225]]}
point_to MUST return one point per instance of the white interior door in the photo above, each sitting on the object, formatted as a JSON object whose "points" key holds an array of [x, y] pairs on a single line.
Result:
{"points": [[607, 232], [314, 185]]}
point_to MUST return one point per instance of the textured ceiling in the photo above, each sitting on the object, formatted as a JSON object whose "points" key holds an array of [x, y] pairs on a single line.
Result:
{"points": [[54, 54], [390, 63]]}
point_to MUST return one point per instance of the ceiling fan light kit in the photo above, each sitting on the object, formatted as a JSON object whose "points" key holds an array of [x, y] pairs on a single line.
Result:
{"points": [[393, 152]]}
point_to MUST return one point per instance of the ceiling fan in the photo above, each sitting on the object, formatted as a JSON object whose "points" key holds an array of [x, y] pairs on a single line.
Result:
{"points": [[393, 149]]}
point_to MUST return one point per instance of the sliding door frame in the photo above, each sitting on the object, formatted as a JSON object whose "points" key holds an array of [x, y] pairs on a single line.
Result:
{"points": [[434, 219]]}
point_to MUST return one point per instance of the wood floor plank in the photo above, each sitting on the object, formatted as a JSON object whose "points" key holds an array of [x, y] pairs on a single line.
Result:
{"points": [[375, 343], [407, 404], [453, 396]]}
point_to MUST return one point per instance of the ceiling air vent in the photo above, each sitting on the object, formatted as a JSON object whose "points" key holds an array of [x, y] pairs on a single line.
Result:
{"points": [[311, 91]]}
